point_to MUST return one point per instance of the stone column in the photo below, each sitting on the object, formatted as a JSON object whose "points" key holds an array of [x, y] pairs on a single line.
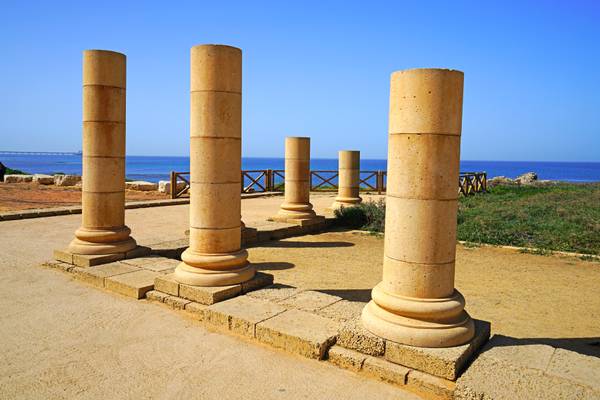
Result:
{"points": [[215, 256], [348, 179], [416, 303], [103, 229], [296, 204]]}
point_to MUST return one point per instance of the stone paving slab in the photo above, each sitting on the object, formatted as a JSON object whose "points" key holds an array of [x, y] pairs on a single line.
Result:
{"points": [[209, 294], [166, 284], [83, 260], [345, 358], [299, 332], [96, 275], [442, 362], [134, 284], [153, 263], [354, 336], [241, 314], [432, 386], [310, 300], [275, 292], [385, 370], [259, 281], [342, 311], [575, 367]]}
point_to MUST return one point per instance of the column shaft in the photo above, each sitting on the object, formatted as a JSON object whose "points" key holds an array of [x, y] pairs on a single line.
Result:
{"points": [[103, 229], [416, 303], [348, 179], [215, 256]]}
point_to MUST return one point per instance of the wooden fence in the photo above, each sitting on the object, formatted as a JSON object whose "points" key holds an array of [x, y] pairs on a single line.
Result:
{"points": [[272, 180]]}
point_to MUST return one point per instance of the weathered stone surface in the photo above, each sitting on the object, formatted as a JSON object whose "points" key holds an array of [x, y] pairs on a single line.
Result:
{"points": [[260, 280], [343, 310], [196, 310], [276, 292], [527, 178], [17, 178], [354, 336], [165, 186], [84, 260], [166, 284], [134, 284], [346, 358], [385, 370], [241, 314], [96, 275], [431, 386], [153, 263], [310, 300], [299, 332], [59, 265], [155, 295], [176, 303], [66, 180], [63, 255], [518, 352], [443, 362], [138, 251], [142, 186], [43, 179], [209, 294], [575, 367]]}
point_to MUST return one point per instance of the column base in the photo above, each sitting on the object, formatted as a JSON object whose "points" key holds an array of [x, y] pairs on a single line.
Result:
{"points": [[431, 329], [293, 213], [345, 202], [198, 269], [84, 247]]}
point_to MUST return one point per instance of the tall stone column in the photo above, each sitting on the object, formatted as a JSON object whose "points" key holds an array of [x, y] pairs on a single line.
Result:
{"points": [[348, 179], [416, 303], [103, 229], [296, 204], [215, 256]]}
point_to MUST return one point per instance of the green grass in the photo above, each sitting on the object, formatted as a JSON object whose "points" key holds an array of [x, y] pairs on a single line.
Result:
{"points": [[10, 171], [561, 217]]}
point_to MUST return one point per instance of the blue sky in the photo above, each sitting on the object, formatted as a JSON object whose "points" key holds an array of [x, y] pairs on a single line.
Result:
{"points": [[319, 69]]}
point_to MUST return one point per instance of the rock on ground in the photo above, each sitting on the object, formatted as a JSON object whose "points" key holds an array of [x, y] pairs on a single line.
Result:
{"points": [[43, 179], [165, 186], [141, 186], [527, 178], [17, 178], [66, 180]]}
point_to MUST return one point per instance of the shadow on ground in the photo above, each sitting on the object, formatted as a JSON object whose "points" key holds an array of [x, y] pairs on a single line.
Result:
{"points": [[362, 295], [272, 266], [589, 346], [304, 244]]}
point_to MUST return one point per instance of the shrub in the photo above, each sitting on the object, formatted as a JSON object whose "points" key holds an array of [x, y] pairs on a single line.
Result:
{"points": [[369, 216]]}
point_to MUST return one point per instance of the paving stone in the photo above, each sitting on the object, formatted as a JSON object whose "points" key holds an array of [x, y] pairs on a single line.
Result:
{"points": [[575, 367], [166, 284], [134, 284], [153, 263], [518, 352], [97, 275], [431, 386], [241, 314], [170, 249], [63, 255], [442, 362], [385, 370], [260, 280], [59, 265], [345, 358], [208, 295], [298, 332], [139, 251], [276, 292], [176, 303], [354, 336], [155, 295], [196, 310], [310, 300], [343, 310], [82, 260]]}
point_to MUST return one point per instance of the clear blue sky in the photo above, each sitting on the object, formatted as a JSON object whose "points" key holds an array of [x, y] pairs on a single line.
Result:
{"points": [[319, 69]]}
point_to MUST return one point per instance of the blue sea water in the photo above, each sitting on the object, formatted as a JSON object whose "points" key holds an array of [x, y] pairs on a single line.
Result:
{"points": [[151, 168]]}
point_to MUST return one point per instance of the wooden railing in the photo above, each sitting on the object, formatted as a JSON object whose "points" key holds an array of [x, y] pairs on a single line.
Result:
{"points": [[273, 180]]}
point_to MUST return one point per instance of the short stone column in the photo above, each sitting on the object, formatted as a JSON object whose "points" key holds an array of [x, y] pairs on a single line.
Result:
{"points": [[348, 179], [416, 303], [215, 256], [296, 205], [103, 229]]}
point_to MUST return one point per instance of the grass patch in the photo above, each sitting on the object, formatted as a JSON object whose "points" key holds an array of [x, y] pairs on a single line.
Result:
{"points": [[561, 217], [10, 171]]}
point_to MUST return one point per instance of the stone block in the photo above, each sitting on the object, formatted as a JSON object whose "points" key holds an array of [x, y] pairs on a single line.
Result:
{"points": [[63, 255], [310, 300], [354, 336], [153, 263], [176, 303], [241, 314], [442, 362], [17, 178], [141, 186], [59, 265], [43, 179], [96, 275], [139, 251], [134, 284], [66, 180], [155, 295], [431, 386], [298, 332], [170, 249], [276, 292], [345, 358], [385, 370], [260, 280], [208, 295], [196, 310], [342, 311], [166, 284], [83, 260], [575, 367]]}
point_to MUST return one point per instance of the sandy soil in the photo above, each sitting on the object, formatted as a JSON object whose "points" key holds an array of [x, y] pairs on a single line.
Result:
{"points": [[23, 196]]}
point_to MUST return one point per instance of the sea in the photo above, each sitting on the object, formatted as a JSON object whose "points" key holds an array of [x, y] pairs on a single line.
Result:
{"points": [[154, 168]]}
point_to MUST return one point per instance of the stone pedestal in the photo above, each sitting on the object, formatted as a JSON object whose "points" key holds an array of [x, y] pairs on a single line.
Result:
{"points": [[296, 206], [103, 229], [215, 256], [348, 179], [416, 303]]}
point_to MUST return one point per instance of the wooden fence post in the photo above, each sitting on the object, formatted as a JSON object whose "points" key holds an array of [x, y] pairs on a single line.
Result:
{"points": [[173, 184]]}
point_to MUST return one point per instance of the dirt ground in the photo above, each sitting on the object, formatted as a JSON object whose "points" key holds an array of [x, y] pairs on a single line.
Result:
{"points": [[523, 295], [23, 196]]}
